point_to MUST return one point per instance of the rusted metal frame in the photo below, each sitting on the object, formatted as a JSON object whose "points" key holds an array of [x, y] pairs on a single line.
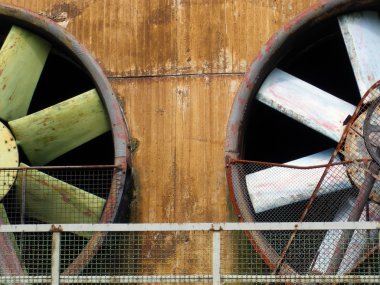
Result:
{"points": [[260, 244], [354, 215], [264, 163], [92, 247], [368, 254], [229, 162], [327, 168]]}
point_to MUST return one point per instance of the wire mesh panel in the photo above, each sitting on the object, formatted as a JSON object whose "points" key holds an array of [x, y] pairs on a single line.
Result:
{"points": [[267, 192], [137, 254], [190, 253], [310, 258], [54, 195], [25, 257]]}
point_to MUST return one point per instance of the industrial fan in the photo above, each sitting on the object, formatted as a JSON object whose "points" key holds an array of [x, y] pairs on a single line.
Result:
{"points": [[56, 110], [303, 138]]}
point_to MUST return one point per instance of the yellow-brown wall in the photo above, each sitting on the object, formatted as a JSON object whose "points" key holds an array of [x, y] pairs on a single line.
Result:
{"points": [[175, 66]]}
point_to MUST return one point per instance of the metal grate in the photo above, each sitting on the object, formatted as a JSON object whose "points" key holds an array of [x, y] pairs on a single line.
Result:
{"points": [[52, 195], [55, 194], [185, 253], [267, 192]]}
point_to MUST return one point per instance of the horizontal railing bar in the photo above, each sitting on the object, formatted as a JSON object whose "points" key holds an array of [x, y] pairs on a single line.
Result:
{"points": [[191, 227], [306, 279], [63, 167], [25, 279], [136, 279]]}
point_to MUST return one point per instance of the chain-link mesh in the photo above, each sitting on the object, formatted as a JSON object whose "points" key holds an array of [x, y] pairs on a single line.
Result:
{"points": [[309, 255], [138, 254], [280, 193], [24, 256], [194, 255], [53, 195]]}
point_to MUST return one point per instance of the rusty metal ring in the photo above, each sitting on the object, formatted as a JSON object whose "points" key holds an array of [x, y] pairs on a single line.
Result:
{"points": [[369, 129]]}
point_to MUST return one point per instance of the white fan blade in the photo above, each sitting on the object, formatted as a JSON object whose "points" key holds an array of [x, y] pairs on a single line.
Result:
{"points": [[279, 186], [305, 103], [361, 33], [333, 238], [359, 241]]}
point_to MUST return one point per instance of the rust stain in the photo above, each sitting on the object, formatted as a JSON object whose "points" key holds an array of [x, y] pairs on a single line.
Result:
{"points": [[194, 37], [65, 197], [88, 212], [54, 228], [42, 182], [71, 9]]}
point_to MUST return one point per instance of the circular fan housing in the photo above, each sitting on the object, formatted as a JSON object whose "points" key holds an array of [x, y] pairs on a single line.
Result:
{"points": [[292, 108], [58, 105]]}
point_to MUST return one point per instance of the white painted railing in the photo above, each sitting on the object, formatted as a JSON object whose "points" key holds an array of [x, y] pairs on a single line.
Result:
{"points": [[214, 230]]}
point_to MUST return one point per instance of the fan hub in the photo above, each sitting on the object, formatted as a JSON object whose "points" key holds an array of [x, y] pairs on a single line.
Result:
{"points": [[362, 143], [9, 157]]}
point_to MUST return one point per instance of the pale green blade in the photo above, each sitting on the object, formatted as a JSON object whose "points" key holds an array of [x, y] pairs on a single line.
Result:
{"points": [[53, 201], [22, 58], [51, 132]]}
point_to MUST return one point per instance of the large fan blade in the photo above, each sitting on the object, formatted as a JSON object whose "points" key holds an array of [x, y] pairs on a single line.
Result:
{"points": [[305, 103], [51, 132], [279, 186], [360, 241], [52, 201], [324, 260], [361, 33], [331, 240], [22, 58]]}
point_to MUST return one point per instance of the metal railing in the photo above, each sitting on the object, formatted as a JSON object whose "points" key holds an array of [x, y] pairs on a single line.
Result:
{"points": [[189, 253]]}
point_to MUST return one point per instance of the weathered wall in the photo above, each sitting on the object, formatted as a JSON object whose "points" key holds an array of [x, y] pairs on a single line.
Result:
{"points": [[175, 66]]}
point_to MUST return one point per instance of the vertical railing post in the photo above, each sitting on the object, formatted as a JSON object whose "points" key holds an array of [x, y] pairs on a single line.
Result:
{"points": [[216, 257], [55, 258], [23, 197]]}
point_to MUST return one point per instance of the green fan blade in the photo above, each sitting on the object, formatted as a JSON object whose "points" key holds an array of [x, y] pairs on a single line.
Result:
{"points": [[22, 58], [53, 201], [51, 132]]}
